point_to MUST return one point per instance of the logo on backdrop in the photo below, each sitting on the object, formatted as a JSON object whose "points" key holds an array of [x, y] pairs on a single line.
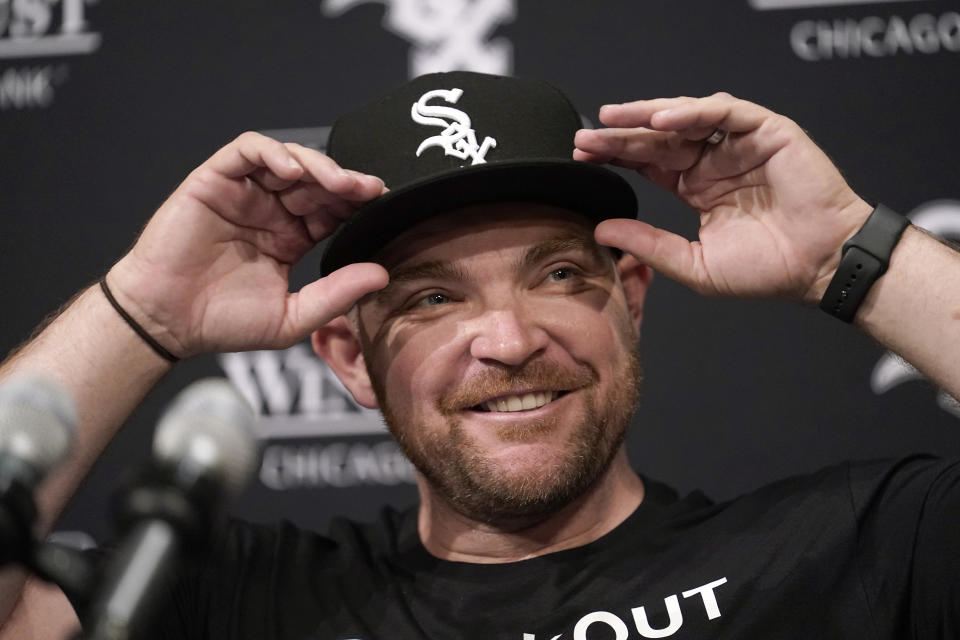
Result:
{"points": [[39, 29], [941, 217], [447, 35], [297, 396], [458, 138], [872, 36], [804, 4]]}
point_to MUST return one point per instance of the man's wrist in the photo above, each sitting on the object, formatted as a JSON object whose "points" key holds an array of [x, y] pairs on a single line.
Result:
{"points": [[854, 215], [135, 290], [864, 258], [158, 348]]}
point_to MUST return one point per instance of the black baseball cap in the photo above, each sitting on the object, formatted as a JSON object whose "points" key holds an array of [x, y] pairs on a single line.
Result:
{"points": [[448, 140]]}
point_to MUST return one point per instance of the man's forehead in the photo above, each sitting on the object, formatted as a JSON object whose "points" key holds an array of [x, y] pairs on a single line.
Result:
{"points": [[490, 227]]}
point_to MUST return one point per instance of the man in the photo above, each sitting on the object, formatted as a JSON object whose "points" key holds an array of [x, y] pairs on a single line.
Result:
{"points": [[475, 305]]}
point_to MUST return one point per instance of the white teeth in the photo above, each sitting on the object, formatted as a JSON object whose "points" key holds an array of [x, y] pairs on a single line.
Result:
{"points": [[526, 402]]}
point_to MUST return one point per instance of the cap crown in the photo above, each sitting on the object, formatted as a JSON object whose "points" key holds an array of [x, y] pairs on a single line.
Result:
{"points": [[449, 140], [447, 118]]}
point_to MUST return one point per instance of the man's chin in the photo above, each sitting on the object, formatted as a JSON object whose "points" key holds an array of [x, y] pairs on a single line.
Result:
{"points": [[527, 463], [511, 508], [520, 485]]}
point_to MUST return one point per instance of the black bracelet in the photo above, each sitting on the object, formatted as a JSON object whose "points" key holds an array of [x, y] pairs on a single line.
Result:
{"points": [[156, 346], [866, 257]]}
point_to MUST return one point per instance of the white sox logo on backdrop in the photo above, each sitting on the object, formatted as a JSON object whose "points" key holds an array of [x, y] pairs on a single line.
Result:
{"points": [[941, 217], [447, 35], [871, 36], [457, 139], [35, 29]]}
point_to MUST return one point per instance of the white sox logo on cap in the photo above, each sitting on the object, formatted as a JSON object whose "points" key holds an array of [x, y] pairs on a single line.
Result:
{"points": [[527, 157], [458, 138]]}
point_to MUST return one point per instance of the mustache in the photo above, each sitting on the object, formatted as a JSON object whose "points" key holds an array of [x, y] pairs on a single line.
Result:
{"points": [[538, 375]]}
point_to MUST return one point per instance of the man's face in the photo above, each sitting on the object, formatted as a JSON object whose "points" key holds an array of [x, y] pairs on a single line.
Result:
{"points": [[503, 357]]}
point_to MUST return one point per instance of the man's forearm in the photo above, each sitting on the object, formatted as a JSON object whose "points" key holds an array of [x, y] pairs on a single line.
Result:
{"points": [[914, 309], [107, 369]]}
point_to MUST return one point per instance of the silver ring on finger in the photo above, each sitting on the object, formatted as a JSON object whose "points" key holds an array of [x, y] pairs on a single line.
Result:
{"points": [[717, 136]]}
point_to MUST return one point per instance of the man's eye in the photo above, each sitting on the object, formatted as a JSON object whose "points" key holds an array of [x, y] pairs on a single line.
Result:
{"points": [[434, 299], [562, 273]]}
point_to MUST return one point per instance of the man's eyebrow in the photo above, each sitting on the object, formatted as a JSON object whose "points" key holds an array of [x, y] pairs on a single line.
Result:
{"points": [[433, 270], [552, 246]]}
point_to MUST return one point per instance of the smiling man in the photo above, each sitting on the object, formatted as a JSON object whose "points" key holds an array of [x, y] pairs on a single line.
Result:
{"points": [[484, 288], [503, 357], [503, 351]]}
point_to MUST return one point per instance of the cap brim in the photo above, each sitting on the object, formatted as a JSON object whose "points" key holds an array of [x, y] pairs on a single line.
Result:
{"points": [[591, 190]]}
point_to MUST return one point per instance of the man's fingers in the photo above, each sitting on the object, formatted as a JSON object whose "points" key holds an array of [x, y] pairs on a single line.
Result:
{"points": [[584, 156], [320, 168], [638, 113], [640, 145], [720, 110], [275, 166], [331, 296], [321, 211], [323, 224], [251, 151], [269, 181], [289, 194], [308, 198], [697, 134], [672, 255]]}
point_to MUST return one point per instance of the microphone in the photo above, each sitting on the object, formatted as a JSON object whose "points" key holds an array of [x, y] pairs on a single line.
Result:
{"points": [[37, 421], [204, 453]]}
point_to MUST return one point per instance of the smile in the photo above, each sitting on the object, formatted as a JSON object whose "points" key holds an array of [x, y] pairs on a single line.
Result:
{"points": [[519, 402]]}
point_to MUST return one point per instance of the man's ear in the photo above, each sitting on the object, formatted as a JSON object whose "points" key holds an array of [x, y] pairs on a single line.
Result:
{"points": [[635, 278], [338, 345]]}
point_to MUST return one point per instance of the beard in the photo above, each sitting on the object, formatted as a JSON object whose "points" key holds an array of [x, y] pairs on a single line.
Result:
{"points": [[500, 494]]}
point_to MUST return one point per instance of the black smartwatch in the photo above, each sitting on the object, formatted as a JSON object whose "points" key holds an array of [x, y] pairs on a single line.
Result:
{"points": [[866, 257]]}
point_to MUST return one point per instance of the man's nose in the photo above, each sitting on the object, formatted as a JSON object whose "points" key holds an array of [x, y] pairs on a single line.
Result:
{"points": [[508, 337]]}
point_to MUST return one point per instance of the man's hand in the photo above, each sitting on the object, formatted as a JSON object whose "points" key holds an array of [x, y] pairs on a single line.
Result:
{"points": [[210, 271], [774, 211]]}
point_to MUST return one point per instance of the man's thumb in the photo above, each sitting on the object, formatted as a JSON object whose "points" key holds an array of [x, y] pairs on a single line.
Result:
{"points": [[323, 300], [667, 253]]}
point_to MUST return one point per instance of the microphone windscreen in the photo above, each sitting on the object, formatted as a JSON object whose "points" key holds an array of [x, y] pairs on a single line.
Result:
{"points": [[207, 431], [37, 422]]}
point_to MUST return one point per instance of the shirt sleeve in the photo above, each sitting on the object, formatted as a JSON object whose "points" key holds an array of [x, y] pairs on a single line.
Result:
{"points": [[909, 558]]}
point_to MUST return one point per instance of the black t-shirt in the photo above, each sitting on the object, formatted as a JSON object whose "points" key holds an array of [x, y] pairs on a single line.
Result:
{"points": [[855, 551]]}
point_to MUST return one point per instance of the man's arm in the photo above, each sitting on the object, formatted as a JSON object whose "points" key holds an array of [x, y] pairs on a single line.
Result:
{"points": [[209, 273], [107, 369], [914, 308], [774, 214]]}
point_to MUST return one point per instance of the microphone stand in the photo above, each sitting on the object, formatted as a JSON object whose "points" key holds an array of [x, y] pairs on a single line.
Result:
{"points": [[167, 518]]}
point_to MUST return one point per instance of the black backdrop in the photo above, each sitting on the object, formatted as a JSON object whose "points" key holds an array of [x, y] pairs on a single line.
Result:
{"points": [[106, 105]]}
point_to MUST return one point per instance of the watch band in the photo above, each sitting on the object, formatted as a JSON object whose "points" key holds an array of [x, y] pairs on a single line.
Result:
{"points": [[866, 257]]}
